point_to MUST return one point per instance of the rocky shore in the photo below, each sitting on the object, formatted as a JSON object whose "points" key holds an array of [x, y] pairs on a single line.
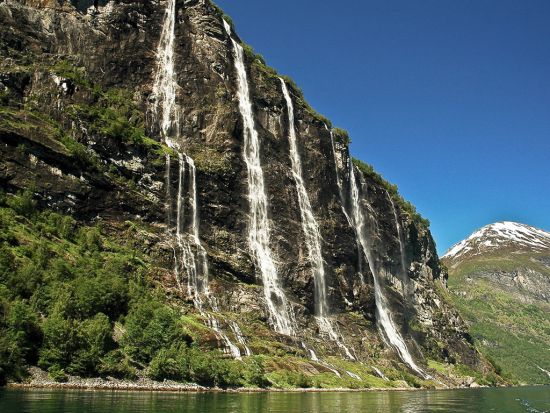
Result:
{"points": [[39, 379]]}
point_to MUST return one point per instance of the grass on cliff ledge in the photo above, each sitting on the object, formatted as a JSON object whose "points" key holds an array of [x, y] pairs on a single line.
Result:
{"points": [[402, 203]]}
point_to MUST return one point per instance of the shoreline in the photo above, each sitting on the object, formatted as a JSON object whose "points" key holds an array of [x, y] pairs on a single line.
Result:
{"points": [[159, 387], [170, 387], [39, 379]]}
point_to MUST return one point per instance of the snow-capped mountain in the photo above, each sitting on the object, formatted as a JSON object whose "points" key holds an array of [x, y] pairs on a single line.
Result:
{"points": [[499, 279], [501, 235]]}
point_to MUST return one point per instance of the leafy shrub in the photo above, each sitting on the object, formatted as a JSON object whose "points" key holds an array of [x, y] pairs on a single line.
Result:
{"points": [[60, 342], [212, 369], [170, 364], [151, 326], [116, 364], [23, 203], [94, 340], [20, 337], [254, 375], [290, 379], [57, 374]]}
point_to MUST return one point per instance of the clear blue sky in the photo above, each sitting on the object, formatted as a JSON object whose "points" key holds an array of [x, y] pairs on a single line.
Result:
{"points": [[449, 99]]}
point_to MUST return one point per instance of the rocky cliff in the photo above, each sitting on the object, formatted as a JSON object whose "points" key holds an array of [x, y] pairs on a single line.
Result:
{"points": [[78, 126]]}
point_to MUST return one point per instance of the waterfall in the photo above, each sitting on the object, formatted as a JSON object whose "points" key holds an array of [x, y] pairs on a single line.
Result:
{"points": [[389, 331], [338, 177], [400, 237], [311, 231], [309, 224], [164, 86], [258, 229], [189, 254], [240, 337]]}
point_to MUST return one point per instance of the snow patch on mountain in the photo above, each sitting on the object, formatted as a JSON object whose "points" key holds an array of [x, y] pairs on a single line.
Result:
{"points": [[501, 234]]}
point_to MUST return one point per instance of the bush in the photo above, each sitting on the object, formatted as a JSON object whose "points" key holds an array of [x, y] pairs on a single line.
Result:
{"points": [[170, 364], [254, 374], [116, 364], [291, 379], [151, 326], [212, 369], [94, 340], [57, 374], [62, 275], [60, 342], [20, 337], [23, 203]]}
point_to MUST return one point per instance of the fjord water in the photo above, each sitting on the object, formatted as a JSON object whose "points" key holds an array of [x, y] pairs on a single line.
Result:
{"points": [[503, 400]]}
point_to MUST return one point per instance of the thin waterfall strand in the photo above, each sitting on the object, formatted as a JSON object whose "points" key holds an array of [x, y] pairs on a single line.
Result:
{"points": [[311, 231], [400, 236], [192, 255], [389, 331], [258, 229]]}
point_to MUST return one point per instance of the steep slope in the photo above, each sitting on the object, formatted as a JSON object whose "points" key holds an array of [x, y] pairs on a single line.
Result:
{"points": [[156, 115], [499, 278]]}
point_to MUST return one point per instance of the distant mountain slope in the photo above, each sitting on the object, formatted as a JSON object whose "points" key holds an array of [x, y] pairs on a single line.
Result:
{"points": [[498, 236], [500, 280]]}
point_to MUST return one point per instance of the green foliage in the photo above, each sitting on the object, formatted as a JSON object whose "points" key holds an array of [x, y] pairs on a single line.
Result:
{"points": [[117, 364], [150, 327], [290, 379], [57, 374], [62, 287], [212, 369], [224, 16], [170, 364], [20, 336], [402, 203], [113, 115], [24, 204], [511, 333], [68, 70], [255, 374], [208, 368], [343, 134]]}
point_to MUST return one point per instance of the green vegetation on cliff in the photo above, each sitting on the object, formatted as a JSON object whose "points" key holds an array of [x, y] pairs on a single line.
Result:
{"points": [[509, 328], [75, 300], [402, 203]]}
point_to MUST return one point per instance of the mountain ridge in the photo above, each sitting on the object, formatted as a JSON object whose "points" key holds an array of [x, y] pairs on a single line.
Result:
{"points": [[499, 278], [502, 234]]}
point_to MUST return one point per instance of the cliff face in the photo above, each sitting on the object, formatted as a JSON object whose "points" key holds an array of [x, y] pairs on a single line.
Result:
{"points": [[77, 127]]}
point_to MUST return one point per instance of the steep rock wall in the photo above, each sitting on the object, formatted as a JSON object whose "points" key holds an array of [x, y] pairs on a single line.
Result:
{"points": [[60, 60]]}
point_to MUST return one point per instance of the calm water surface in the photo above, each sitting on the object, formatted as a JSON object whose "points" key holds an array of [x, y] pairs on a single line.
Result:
{"points": [[510, 400]]}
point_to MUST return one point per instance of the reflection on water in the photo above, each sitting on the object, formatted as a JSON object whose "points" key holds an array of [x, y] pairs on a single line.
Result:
{"points": [[510, 400]]}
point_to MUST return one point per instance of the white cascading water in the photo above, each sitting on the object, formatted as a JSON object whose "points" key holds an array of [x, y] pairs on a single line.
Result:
{"points": [[400, 236], [390, 334], [311, 231], [240, 337], [192, 254], [258, 229], [338, 177]]}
